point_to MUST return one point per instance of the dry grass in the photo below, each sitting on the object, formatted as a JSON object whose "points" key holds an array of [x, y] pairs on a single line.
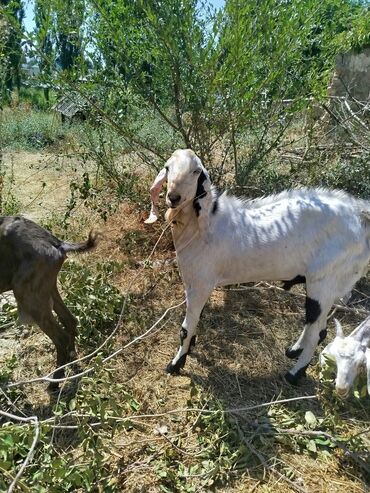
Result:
{"points": [[238, 361], [41, 181]]}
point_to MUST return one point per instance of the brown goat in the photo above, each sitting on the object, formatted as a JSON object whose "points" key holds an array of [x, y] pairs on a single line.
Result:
{"points": [[30, 260]]}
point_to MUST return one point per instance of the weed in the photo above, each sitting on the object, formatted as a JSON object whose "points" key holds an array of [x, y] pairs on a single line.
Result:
{"points": [[27, 129], [9, 204], [93, 300]]}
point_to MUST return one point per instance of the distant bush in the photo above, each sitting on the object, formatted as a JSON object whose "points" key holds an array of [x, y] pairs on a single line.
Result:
{"points": [[350, 175], [24, 129], [36, 98]]}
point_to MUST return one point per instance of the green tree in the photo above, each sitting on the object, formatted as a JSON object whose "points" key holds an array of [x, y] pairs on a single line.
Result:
{"points": [[69, 18], [11, 17], [44, 35]]}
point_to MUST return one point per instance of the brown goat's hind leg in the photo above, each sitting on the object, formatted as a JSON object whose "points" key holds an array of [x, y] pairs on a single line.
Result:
{"points": [[65, 316], [62, 341], [39, 308]]}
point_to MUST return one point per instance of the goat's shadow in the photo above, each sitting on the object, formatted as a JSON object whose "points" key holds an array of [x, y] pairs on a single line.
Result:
{"points": [[241, 356]]}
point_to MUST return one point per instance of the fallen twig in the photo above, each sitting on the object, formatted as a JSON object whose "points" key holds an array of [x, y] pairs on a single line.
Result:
{"points": [[35, 421], [265, 464]]}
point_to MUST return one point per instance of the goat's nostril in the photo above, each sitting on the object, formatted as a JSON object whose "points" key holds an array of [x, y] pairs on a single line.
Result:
{"points": [[174, 198]]}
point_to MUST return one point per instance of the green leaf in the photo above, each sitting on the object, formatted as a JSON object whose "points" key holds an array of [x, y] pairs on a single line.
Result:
{"points": [[310, 418], [311, 446]]}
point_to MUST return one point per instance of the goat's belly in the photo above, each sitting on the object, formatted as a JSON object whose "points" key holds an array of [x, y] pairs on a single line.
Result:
{"points": [[274, 267], [267, 273]]}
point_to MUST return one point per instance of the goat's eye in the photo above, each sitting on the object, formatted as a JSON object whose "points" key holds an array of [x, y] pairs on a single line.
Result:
{"points": [[196, 172]]}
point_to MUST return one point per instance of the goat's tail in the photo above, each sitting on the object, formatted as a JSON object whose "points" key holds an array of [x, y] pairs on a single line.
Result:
{"points": [[84, 246]]}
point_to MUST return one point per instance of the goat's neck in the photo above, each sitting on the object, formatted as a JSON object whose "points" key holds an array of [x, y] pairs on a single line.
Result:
{"points": [[362, 332], [184, 226]]}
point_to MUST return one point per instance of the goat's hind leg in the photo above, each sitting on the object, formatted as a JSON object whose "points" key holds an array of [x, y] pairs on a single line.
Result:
{"points": [[66, 318], [196, 298], [39, 308], [313, 310], [314, 331]]}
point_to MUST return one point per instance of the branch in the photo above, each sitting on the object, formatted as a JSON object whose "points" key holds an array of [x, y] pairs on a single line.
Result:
{"points": [[34, 420], [265, 464], [355, 457]]}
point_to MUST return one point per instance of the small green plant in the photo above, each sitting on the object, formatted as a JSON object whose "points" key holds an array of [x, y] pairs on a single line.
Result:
{"points": [[93, 300], [219, 452], [9, 204], [80, 460]]}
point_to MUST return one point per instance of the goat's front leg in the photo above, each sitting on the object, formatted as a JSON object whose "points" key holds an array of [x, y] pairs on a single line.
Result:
{"points": [[196, 298]]}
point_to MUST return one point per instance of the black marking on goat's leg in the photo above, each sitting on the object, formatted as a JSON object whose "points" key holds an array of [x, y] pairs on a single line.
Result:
{"points": [[200, 193], [174, 369], [183, 335], [192, 344], [293, 379], [313, 310], [293, 353], [322, 335], [297, 280]]}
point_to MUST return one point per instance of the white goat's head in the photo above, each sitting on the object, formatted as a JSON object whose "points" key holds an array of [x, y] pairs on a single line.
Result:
{"points": [[350, 356], [188, 183]]}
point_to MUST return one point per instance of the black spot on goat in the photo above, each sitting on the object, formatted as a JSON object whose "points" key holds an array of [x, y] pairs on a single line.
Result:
{"points": [[200, 193], [313, 310], [292, 282]]}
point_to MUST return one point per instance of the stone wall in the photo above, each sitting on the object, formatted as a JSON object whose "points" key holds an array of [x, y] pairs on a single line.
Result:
{"points": [[352, 74]]}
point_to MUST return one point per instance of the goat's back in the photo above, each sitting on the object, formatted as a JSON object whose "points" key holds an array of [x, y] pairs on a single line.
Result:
{"points": [[297, 232], [25, 245]]}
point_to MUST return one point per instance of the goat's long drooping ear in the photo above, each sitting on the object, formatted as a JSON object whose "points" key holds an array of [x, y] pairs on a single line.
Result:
{"points": [[338, 326], [155, 190], [203, 202]]}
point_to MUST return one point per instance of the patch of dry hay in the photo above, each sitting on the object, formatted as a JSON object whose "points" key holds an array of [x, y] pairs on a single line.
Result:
{"points": [[239, 360]]}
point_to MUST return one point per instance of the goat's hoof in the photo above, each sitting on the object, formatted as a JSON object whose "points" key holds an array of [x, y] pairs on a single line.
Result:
{"points": [[53, 387], [293, 353], [174, 369], [292, 379]]}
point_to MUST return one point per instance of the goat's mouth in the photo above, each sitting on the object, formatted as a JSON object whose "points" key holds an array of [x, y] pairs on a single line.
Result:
{"points": [[174, 204], [342, 393]]}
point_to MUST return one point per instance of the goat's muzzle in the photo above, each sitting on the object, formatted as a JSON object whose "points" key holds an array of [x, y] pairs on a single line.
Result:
{"points": [[342, 392], [173, 199]]}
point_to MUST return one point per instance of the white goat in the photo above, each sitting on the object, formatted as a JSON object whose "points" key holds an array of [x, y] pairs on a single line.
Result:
{"points": [[313, 236], [351, 354]]}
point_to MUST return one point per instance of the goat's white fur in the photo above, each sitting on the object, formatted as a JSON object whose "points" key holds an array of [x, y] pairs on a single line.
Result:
{"points": [[320, 234], [351, 354]]}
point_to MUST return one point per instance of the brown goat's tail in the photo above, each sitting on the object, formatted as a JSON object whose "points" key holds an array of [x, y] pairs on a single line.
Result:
{"points": [[84, 246]]}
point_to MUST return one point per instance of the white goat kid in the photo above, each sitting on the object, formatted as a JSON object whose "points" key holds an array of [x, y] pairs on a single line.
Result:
{"points": [[351, 354], [313, 236]]}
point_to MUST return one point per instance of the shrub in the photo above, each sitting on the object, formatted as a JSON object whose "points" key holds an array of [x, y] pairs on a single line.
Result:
{"points": [[24, 129]]}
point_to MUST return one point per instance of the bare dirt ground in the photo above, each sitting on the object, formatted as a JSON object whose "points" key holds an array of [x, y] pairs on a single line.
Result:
{"points": [[40, 181], [238, 361]]}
